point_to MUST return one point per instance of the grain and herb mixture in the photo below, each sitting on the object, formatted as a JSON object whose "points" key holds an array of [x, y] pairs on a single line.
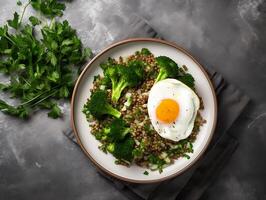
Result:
{"points": [[118, 115]]}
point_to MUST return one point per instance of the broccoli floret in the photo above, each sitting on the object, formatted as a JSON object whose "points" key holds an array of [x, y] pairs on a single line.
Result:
{"points": [[105, 81], [124, 76], [106, 65], [187, 79], [98, 106], [109, 63], [123, 149], [168, 68], [116, 130], [145, 51]]}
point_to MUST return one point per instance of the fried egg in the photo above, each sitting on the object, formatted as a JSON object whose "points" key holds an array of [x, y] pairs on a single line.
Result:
{"points": [[172, 108]]}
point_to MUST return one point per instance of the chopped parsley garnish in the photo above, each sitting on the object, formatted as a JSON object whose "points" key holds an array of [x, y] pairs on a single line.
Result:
{"points": [[186, 156], [146, 173]]}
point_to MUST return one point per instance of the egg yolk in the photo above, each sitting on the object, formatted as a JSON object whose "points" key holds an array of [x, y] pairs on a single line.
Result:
{"points": [[167, 111]]}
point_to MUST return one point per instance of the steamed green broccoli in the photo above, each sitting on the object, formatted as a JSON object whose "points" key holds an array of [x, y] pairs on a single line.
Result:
{"points": [[187, 79], [145, 51], [124, 76], [98, 106], [116, 130], [168, 68], [106, 65], [123, 149], [105, 81], [119, 143], [109, 63]]}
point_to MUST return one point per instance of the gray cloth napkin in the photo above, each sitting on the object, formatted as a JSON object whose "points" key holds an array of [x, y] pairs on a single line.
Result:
{"points": [[194, 182]]}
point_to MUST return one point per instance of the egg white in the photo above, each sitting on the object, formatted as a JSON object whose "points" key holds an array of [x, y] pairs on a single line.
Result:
{"points": [[188, 102]]}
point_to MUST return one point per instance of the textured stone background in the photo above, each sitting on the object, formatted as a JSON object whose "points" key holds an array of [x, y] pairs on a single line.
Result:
{"points": [[38, 162]]}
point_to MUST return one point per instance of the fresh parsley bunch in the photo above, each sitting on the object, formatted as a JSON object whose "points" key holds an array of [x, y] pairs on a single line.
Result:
{"points": [[41, 71]]}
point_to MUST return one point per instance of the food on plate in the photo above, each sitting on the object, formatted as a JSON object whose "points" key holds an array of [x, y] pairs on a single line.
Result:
{"points": [[172, 108], [144, 110], [122, 77], [98, 106]]}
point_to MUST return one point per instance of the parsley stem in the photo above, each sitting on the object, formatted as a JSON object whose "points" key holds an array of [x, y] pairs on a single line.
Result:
{"points": [[39, 95], [27, 102], [46, 97], [23, 12], [8, 38], [30, 66], [52, 22], [26, 81]]}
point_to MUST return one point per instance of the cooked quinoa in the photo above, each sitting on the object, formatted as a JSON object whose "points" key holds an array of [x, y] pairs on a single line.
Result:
{"points": [[150, 149]]}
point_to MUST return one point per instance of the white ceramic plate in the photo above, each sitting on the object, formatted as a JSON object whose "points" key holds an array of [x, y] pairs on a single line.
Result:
{"points": [[106, 161]]}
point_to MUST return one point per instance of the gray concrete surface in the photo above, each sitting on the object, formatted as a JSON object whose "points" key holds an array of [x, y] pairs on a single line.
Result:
{"points": [[38, 162]]}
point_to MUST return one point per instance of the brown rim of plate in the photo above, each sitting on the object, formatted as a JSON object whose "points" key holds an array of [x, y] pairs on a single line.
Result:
{"points": [[144, 40]]}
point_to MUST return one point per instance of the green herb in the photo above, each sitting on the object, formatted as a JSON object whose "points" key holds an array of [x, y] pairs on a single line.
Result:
{"points": [[19, 3], [146, 173], [103, 147], [34, 20], [95, 78], [20, 111], [147, 127], [182, 147], [55, 112], [153, 159], [190, 147], [137, 112], [137, 152], [41, 71], [152, 74], [50, 8], [14, 23], [186, 156]]}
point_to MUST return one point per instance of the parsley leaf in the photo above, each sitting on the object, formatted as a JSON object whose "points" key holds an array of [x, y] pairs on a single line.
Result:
{"points": [[3, 31], [55, 112], [50, 8], [20, 111], [19, 3], [14, 23], [146, 173], [34, 20]]}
